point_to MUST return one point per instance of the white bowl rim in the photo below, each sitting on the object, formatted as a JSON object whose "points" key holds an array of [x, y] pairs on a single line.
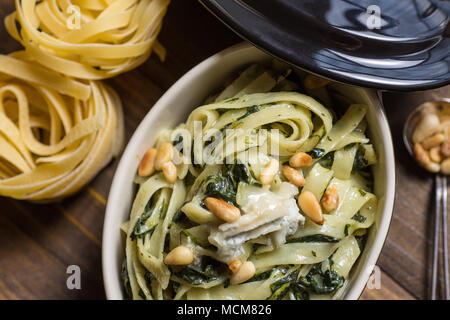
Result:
{"points": [[113, 289]]}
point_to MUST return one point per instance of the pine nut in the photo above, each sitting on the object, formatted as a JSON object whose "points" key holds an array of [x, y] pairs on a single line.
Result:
{"points": [[421, 155], [165, 154], [445, 166], [310, 206], [170, 172], [428, 125], [293, 176], [433, 167], [245, 272], [180, 256], [147, 165], [269, 171], [300, 159], [314, 82], [433, 141], [435, 154], [330, 199], [445, 148], [222, 209], [235, 265]]}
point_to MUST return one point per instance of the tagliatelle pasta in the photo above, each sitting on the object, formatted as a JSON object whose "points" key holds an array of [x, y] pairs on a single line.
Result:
{"points": [[235, 224], [88, 39], [56, 133]]}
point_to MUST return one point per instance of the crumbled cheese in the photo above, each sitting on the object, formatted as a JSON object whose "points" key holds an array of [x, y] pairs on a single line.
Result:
{"points": [[265, 213]]}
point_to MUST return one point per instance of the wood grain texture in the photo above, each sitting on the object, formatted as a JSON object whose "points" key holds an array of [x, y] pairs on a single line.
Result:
{"points": [[38, 242]]}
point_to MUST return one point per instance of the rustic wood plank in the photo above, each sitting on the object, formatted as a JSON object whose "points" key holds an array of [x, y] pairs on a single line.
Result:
{"points": [[407, 252], [42, 244], [389, 290]]}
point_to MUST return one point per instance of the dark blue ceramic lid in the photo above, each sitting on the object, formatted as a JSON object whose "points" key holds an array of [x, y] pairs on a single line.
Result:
{"points": [[384, 44]]}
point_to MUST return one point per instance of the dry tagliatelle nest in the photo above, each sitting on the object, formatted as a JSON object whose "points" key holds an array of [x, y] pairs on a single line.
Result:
{"points": [[88, 39], [56, 133]]}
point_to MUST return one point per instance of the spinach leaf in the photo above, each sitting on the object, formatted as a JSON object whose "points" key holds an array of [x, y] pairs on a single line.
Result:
{"points": [[282, 287], [321, 282], [126, 280], [280, 292], [314, 238], [361, 241], [197, 275], [142, 227], [261, 276], [360, 161], [300, 293], [327, 160], [250, 110], [219, 186], [239, 172], [346, 229], [224, 185], [316, 153], [359, 217]]}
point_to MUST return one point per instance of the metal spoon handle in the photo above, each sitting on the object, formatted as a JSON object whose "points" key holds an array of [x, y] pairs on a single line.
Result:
{"points": [[437, 208], [444, 233]]}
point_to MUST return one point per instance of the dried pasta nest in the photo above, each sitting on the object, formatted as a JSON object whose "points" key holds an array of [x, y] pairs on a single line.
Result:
{"points": [[56, 133], [88, 39]]}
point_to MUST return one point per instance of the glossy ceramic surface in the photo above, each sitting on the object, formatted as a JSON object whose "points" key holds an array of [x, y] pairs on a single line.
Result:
{"points": [[339, 39], [174, 107]]}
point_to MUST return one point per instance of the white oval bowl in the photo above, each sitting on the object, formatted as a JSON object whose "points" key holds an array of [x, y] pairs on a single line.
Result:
{"points": [[175, 106]]}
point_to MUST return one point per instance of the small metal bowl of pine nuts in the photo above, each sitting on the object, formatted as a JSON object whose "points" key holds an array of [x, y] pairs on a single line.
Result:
{"points": [[427, 135]]}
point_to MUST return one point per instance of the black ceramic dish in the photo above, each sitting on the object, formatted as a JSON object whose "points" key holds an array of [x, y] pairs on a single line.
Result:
{"points": [[410, 50]]}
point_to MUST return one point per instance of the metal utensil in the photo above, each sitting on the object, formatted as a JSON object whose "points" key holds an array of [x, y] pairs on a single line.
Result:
{"points": [[440, 204]]}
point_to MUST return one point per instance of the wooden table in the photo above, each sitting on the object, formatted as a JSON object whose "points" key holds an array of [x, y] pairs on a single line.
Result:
{"points": [[39, 242]]}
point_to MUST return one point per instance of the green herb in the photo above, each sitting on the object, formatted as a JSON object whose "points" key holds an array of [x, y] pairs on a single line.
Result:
{"points": [[349, 146], [195, 275], [346, 229], [361, 241], [281, 287], [219, 186], [148, 221], [142, 228], [239, 172], [362, 192], [255, 247], [327, 160], [231, 100], [359, 217], [148, 276], [299, 291], [250, 110], [321, 282], [314, 238], [179, 216], [126, 281], [261, 276], [281, 292], [360, 161], [316, 153]]}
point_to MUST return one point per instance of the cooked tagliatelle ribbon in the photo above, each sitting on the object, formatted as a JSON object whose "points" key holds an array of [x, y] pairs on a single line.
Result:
{"points": [[229, 143], [56, 133], [88, 39]]}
